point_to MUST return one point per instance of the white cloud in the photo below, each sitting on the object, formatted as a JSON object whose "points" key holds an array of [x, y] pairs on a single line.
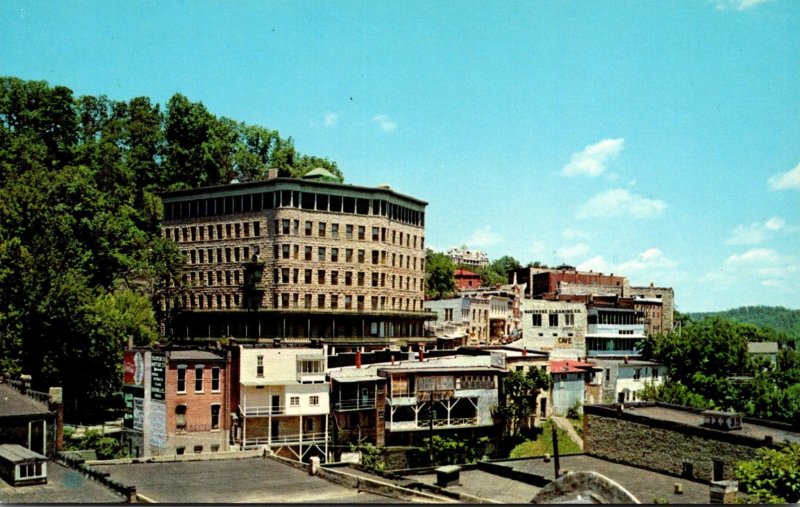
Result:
{"points": [[738, 5], [331, 119], [651, 263], [650, 259], [574, 252], [597, 264], [618, 202], [785, 181], [483, 237], [775, 223], [384, 123], [537, 249], [593, 159], [762, 266], [753, 257], [756, 232]]}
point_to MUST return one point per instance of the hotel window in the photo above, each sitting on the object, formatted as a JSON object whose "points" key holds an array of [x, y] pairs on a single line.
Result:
{"points": [[376, 234], [309, 228], [308, 253], [321, 253], [181, 378], [285, 275], [322, 229], [259, 366], [198, 378], [348, 302], [335, 231], [553, 317], [285, 226], [321, 301], [348, 231], [375, 256], [215, 379], [307, 301], [362, 232], [334, 255], [214, 417], [256, 229], [321, 276], [285, 251], [348, 278], [374, 279], [180, 417], [246, 229], [307, 278], [334, 301], [348, 255], [361, 255], [360, 278]]}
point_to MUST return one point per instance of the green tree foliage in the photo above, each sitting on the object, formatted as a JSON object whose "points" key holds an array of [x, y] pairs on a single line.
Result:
{"points": [[781, 324], [773, 476], [82, 263], [452, 451], [439, 271], [520, 390], [709, 367]]}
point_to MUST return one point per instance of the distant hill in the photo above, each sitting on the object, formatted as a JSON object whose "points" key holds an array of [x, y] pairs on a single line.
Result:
{"points": [[782, 320]]}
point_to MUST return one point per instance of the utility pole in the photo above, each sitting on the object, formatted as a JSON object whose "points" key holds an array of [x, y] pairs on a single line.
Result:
{"points": [[430, 431], [555, 449]]}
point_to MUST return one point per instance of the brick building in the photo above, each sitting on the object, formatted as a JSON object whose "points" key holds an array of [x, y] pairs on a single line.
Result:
{"points": [[177, 401], [299, 259], [568, 280], [466, 279]]}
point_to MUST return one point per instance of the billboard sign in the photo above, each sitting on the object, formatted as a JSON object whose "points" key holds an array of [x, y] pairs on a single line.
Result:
{"points": [[158, 371], [133, 366]]}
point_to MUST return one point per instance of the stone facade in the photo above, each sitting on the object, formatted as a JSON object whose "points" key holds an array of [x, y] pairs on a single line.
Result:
{"points": [[315, 253], [667, 297], [673, 448]]}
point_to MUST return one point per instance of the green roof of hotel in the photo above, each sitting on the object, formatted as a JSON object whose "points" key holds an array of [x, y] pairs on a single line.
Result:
{"points": [[321, 174]]}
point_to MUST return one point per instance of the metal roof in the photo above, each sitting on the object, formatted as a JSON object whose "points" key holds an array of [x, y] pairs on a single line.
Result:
{"points": [[16, 453], [194, 355]]}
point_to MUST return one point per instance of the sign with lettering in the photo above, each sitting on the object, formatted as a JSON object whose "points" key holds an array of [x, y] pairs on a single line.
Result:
{"points": [[158, 424], [158, 375], [564, 342], [498, 360], [138, 414]]}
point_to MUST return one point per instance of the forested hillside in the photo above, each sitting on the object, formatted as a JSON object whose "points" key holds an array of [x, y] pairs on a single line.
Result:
{"points": [[782, 320], [82, 266]]}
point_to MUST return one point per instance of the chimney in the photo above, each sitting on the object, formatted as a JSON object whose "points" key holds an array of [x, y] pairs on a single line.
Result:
{"points": [[26, 383], [626, 359], [272, 173], [422, 353], [358, 358], [524, 351], [56, 403], [410, 354], [392, 359], [130, 341]]}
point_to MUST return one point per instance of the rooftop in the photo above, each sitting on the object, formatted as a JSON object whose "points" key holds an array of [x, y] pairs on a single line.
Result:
{"points": [[568, 366], [645, 485], [64, 485], [243, 480], [194, 355], [15, 404], [16, 453], [762, 347], [448, 363]]}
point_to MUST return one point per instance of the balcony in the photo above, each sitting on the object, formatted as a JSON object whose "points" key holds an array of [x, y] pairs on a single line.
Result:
{"points": [[262, 410], [360, 403], [424, 424], [279, 440]]}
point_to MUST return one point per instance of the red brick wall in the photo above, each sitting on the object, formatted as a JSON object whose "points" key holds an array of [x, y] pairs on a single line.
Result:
{"points": [[198, 405]]}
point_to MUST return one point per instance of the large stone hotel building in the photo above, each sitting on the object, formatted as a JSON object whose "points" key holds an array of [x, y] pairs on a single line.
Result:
{"points": [[301, 260]]}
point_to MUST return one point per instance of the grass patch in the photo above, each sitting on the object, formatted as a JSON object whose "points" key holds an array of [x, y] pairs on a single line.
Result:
{"points": [[543, 444]]}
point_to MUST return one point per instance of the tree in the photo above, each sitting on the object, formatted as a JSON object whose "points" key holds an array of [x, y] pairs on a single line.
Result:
{"points": [[505, 265], [773, 476], [439, 275], [520, 391]]}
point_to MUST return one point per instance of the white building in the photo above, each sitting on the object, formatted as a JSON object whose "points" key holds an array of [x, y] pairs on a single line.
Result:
{"points": [[557, 327], [623, 380], [467, 257], [283, 401]]}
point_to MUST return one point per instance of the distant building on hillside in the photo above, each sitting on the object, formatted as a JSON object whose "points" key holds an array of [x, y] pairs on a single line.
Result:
{"points": [[568, 280], [467, 257], [466, 279]]}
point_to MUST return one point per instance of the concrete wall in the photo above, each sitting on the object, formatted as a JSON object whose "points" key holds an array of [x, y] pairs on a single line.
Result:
{"points": [[663, 449], [566, 393]]}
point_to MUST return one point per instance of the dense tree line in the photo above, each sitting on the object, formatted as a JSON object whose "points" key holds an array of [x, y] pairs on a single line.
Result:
{"points": [[82, 266], [709, 367], [784, 322]]}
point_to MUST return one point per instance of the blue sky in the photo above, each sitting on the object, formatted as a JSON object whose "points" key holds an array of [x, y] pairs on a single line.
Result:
{"points": [[660, 141]]}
